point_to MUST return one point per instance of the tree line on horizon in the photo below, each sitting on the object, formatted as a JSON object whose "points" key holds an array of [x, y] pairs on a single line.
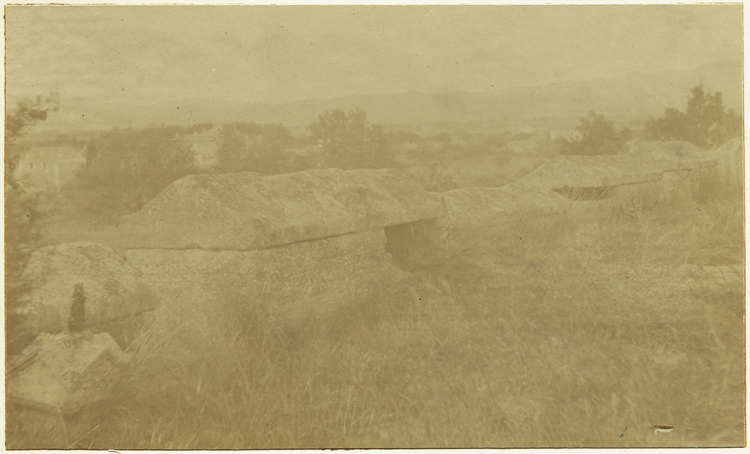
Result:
{"points": [[128, 167], [706, 123]]}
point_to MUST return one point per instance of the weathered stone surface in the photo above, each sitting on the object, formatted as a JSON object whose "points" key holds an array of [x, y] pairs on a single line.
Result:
{"points": [[730, 159], [562, 202], [682, 165], [646, 162], [61, 373], [634, 197], [589, 171], [470, 205], [242, 211], [113, 289], [668, 156], [484, 223], [291, 281]]}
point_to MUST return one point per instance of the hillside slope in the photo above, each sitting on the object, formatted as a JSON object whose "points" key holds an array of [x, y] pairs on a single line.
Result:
{"points": [[638, 94]]}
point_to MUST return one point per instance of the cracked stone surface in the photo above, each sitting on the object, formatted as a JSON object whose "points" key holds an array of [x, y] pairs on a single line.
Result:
{"points": [[243, 211]]}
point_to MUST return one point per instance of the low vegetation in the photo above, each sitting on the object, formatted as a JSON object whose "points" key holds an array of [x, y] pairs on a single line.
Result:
{"points": [[706, 122], [21, 214], [125, 168], [589, 340], [597, 136], [589, 337]]}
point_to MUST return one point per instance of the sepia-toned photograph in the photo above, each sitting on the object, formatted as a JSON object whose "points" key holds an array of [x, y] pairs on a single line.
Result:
{"points": [[371, 227]]}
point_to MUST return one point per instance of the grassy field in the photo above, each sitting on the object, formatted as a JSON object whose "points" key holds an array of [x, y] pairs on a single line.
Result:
{"points": [[637, 323]]}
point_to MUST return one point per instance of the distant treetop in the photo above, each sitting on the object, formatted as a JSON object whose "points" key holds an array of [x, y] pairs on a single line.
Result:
{"points": [[705, 121]]}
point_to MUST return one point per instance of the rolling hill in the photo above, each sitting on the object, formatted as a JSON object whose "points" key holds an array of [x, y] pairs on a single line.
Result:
{"points": [[633, 95]]}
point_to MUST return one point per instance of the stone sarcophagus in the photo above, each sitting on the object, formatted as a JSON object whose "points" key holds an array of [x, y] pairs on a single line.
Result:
{"points": [[560, 203], [650, 173], [297, 245]]}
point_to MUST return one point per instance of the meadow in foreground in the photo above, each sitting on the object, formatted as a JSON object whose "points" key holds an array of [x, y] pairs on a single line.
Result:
{"points": [[638, 322]]}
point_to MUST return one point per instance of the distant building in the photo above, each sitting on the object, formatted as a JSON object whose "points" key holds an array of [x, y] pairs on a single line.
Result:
{"points": [[566, 134], [519, 128], [307, 150], [523, 146], [205, 145], [48, 168]]}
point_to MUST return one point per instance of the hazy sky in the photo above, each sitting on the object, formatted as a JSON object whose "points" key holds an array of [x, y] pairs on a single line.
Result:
{"points": [[284, 53]]}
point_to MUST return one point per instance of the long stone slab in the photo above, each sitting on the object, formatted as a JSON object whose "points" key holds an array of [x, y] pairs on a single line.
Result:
{"points": [[589, 171], [644, 163], [243, 211], [291, 281]]}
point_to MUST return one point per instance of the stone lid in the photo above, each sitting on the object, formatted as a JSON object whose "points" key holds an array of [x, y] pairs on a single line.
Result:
{"points": [[645, 162], [589, 171], [243, 211]]}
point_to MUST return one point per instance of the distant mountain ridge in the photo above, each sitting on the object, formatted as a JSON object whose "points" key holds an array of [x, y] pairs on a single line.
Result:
{"points": [[638, 94]]}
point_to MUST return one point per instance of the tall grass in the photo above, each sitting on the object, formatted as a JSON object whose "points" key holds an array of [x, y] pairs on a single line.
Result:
{"points": [[595, 340]]}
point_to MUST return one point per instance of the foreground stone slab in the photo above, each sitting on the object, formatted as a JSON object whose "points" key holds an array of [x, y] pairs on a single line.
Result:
{"points": [[289, 282], [242, 211], [115, 293], [62, 373]]}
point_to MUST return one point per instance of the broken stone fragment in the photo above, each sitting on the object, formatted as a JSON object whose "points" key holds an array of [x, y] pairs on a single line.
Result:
{"points": [[62, 373]]}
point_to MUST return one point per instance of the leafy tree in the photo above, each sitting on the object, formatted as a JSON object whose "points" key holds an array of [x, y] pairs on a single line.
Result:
{"points": [[705, 122], [26, 115], [257, 148], [21, 214], [126, 168], [349, 141], [596, 136]]}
